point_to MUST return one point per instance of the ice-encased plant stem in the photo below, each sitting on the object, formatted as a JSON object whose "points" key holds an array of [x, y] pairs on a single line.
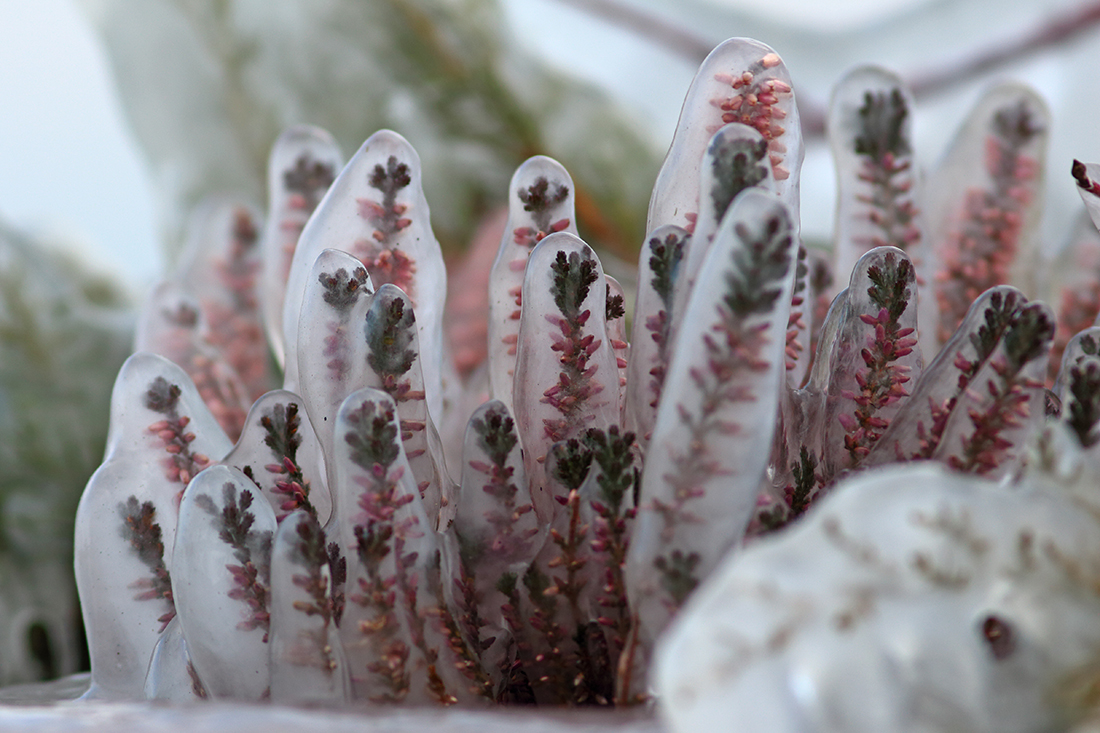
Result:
{"points": [[303, 163], [869, 131], [376, 212], [566, 376], [983, 202], [540, 202], [161, 436], [709, 447]]}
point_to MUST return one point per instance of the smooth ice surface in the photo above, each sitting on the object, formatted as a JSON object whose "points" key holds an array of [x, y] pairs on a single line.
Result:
{"points": [[983, 203], [715, 423], [280, 451], [742, 80], [161, 435], [221, 582], [540, 202], [303, 164], [376, 211], [330, 350], [912, 599], [658, 268], [870, 131], [566, 375], [220, 268], [307, 659], [171, 678]]}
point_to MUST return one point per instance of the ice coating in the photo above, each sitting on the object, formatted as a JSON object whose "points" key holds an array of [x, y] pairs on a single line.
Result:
{"points": [[870, 133], [714, 427], [394, 367], [171, 676], [221, 582], [540, 202], [745, 81], [280, 452], [913, 599], [616, 332], [495, 527], [983, 203], [303, 164], [1004, 402], [307, 660], [658, 268], [393, 567], [567, 378], [875, 360], [734, 160], [1073, 286], [331, 352], [172, 325], [376, 212], [220, 268], [917, 429]]}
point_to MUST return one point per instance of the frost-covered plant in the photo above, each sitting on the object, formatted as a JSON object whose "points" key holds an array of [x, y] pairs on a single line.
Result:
{"points": [[389, 528]]}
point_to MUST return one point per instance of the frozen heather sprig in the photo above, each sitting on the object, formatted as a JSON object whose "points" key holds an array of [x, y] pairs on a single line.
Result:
{"points": [[330, 350], [714, 427], [567, 379], [307, 659], [875, 359], [161, 434], [984, 202], [376, 212], [220, 268], [743, 81], [279, 451], [918, 427], [735, 159], [393, 352], [540, 203], [302, 165], [615, 324], [658, 268], [1073, 287], [396, 650], [171, 677], [221, 582], [869, 129], [1078, 386], [608, 507], [1003, 402], [496, 529], [172, 324]]}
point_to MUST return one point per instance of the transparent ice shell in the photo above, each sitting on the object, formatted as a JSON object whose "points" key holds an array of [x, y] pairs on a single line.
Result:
{"points": [[983, 203], [875, 360], [376, 211], [303, 164], [658, 268], [393, 562], [280, 452], [913, 599], [917, 429], [330, 350], [161, 435], [172, 324], [745, 81], [714, 429], [394, 367], [1072, 286], [870, 133], [540, 203], [220, 268], [566, 375], [221, 582], [495, 525], [171, 677], [616, 336], [1083, 347], [734, 159], [307, 659]]}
